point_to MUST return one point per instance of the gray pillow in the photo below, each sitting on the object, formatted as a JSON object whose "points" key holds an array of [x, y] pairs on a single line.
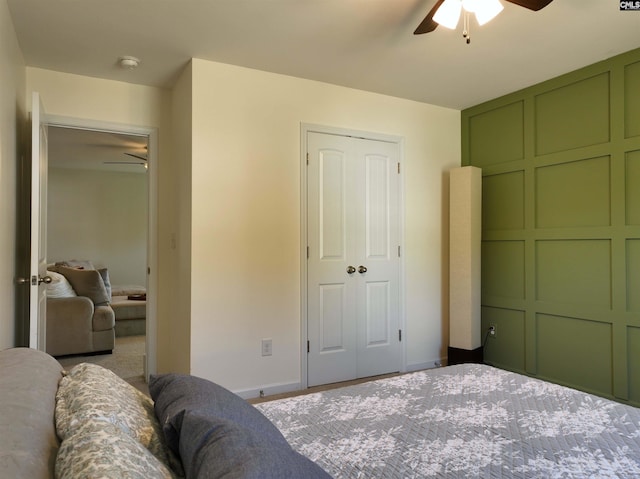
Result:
{"points": [[104, 274], [86, 282], [212, 447], [175, 393]]}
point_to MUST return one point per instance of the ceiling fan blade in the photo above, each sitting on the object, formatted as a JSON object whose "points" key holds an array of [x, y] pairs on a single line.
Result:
{"points": [[123, 163], [534, 5], [136, 156], [428, 25]]}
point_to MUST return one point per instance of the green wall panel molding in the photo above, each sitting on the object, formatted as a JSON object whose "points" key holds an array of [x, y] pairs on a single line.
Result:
{"points": [[573, 115], [575, 352], [497, 135], [574, 194], [507, 348], [503, 201], [632, 187], [561, 226], [632, 97], [633, 276], [574, 272], [502, 269], [633, 346]]}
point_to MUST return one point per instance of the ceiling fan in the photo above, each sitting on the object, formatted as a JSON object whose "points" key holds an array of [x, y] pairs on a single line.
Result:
{"points": [[450, 13], [139, 160]]}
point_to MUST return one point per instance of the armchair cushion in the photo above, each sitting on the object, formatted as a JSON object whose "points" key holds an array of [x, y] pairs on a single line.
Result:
{"points": [[86, 282], [76, 326], [104, 318], [69, 325]]}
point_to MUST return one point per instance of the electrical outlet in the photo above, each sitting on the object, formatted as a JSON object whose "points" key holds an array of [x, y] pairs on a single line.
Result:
{"points": [[493, 330], [267, 347]]}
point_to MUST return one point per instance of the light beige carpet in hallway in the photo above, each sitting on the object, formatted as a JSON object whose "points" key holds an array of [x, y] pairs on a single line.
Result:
{"points": [[127, 359]]}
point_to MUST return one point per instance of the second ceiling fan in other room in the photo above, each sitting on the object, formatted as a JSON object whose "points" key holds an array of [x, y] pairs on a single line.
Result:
{"points": [[141, 160]]}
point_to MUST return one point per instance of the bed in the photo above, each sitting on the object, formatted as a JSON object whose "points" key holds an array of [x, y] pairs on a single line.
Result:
{"points": [[466, 421]]}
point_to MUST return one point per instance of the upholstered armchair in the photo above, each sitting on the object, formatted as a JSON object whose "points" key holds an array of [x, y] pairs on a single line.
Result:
{"points": [[79, 317], [76, 326]]}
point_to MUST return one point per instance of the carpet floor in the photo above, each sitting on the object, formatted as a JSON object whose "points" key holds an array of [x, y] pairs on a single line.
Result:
{"points": [[127, 360]]}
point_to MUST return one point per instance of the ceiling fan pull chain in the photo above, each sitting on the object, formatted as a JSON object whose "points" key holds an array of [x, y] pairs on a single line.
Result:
{"points": [[465, 29]]}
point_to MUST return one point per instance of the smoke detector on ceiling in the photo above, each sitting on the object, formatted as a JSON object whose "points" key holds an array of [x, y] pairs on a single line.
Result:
{"points": [[128, 62]]}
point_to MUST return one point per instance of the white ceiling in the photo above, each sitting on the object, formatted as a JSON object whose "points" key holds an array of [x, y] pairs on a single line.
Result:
{"points": [[364, 44]]}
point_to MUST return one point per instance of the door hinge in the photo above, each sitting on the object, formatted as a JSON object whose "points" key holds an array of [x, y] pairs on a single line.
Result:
{"points": [[398, 251], [307, 252], [398, 167], [399, 334], [308, 347], [307, 158]]}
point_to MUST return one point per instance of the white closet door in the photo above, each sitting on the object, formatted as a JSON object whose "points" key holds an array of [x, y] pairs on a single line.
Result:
{"points": [[377, 241], [353, 264]]}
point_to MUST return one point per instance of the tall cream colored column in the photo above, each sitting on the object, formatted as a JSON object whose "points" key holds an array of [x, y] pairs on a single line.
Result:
{"points": [[465, 212]]}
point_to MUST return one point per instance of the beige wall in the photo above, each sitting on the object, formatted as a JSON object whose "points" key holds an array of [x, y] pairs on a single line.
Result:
{"points": [[100, 216], [79, 97], [174, 346], [12, 121], [90, 98], [229, 220], [245, 233]]}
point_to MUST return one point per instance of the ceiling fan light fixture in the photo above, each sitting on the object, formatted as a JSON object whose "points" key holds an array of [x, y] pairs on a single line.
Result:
{"points": [[487, 10], [448, 14], [470, 5]]}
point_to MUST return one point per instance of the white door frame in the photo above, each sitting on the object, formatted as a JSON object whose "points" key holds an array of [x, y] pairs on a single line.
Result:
{"points": [[306, 128], [152, 219]]}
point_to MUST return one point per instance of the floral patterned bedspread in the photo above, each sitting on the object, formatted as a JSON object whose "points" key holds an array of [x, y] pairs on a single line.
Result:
{"points": [[462, 421]]}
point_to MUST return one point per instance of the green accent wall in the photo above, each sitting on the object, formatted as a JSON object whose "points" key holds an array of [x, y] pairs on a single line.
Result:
{"points": [[561, 227]]}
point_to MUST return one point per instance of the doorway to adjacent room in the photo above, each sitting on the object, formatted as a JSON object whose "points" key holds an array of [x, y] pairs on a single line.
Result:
{"points": [[98, 213]]}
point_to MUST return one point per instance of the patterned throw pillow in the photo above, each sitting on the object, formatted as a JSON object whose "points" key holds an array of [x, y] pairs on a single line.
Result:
{"points": [[90, 391], [99, 449]]}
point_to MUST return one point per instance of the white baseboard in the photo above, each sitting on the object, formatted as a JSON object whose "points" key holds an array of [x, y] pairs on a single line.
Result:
{"points": [[271, 389], [268, 390], [435, 363]]}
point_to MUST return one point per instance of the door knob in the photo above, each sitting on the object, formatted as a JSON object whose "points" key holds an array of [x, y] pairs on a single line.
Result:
{"points": [[34, 280], [362, 269], [351, 269]]}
